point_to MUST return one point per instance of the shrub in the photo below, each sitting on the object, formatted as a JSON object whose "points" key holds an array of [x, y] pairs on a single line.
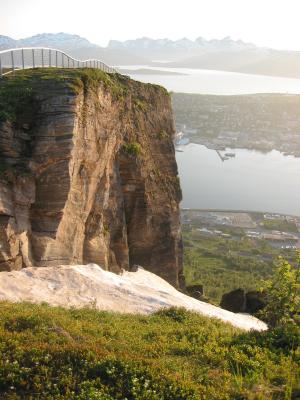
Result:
{"points": [[177, 314], [283, 295], [51, 353], [133, 149], [22, 323]]}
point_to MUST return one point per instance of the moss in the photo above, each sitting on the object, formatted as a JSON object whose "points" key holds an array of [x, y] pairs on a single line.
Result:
{"points": [[106, 229], [140, 104], [162, 135], [16, 99], [133, 149], [18, 92]]}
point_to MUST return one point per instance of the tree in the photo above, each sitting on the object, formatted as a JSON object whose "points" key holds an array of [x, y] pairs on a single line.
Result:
{"points": [[283, 295]]}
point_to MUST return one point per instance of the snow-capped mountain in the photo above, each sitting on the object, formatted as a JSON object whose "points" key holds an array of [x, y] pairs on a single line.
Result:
{"points": [[64, 41], [7, 42], [76, 46], [182, 48], [217, 54], [61, 40]]}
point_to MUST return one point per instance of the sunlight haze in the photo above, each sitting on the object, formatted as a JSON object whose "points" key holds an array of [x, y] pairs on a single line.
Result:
{"points": [[266, 23]]}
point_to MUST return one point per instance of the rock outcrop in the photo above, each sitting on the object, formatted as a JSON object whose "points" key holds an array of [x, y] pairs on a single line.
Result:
{"points": [[234, 301], [88, 173], [240, 301]]}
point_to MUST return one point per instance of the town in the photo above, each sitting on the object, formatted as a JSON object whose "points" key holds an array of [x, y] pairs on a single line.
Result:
{"points": [[262, 122], [280, 231]]}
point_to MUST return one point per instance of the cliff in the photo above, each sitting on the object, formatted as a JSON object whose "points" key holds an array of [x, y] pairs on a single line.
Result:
{"points": [[88, 173]]}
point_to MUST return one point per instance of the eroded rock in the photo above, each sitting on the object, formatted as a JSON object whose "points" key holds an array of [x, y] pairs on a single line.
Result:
{"points": [[86, 176]]}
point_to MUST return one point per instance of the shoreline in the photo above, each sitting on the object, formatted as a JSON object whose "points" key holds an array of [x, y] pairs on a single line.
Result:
{"points": [[220, 210]]}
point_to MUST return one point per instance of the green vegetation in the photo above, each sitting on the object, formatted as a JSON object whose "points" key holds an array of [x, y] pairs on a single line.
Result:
{"points": [[17, 92], [283, 295], [222, 264], [16, 98], [162, 135], [52, 353], [133, 149], [141, 104], [280, 225]]}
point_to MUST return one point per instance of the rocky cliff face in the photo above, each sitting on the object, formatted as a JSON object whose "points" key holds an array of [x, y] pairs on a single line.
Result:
{"points": [[88, 173]]}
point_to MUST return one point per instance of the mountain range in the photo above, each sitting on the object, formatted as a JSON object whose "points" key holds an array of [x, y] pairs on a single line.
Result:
{"points": [[166, 49], [217, 54], [76, 46]]}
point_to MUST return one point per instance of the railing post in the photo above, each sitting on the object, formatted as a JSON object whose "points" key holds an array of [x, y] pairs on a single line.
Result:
{"points": [[66, 60], [23, 64], [12, 61]]}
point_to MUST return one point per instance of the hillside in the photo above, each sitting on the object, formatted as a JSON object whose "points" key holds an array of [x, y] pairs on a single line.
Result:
{"points": [[171, 355]]}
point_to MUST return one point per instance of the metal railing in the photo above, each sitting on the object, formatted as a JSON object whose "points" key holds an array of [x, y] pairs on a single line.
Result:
{"points": [[41, 57]]}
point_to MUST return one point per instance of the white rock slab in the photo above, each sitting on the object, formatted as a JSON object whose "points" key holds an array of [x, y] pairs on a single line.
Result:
{"points": [[79, 286]]}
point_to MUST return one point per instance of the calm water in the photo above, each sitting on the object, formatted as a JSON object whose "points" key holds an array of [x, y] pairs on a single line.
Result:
{"points": [[217, 82], [251, 181]]}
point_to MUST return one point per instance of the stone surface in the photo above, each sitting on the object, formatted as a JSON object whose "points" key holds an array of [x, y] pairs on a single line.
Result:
{"points": [[255, 301], [73, 190], [240, 301], [234, 301], [139, 292], [195, 291]]}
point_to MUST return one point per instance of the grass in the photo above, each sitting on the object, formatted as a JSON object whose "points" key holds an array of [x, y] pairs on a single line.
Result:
{"points": [[18, 92], [174, 354], [222, 264], [280, 225]]}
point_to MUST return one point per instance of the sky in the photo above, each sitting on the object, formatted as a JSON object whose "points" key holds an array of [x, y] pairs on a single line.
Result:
{"points": [[269, 23]]}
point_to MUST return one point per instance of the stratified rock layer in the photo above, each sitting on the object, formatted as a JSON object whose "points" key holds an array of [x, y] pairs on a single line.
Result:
{"points": [[88, 173]]}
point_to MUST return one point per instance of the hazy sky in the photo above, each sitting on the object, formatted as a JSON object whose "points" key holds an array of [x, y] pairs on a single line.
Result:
{"points": [[272, 23]]}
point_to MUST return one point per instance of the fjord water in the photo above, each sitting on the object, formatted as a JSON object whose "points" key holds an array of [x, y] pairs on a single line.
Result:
{"points": [[251, 180], [216, 82]]}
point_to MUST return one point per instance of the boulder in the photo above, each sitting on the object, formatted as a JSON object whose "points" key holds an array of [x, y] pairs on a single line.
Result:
{"points": [[255, 301], [234, 301]]}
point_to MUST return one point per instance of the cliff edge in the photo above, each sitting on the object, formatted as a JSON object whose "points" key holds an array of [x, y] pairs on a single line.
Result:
{"points": [[88, 173]]}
